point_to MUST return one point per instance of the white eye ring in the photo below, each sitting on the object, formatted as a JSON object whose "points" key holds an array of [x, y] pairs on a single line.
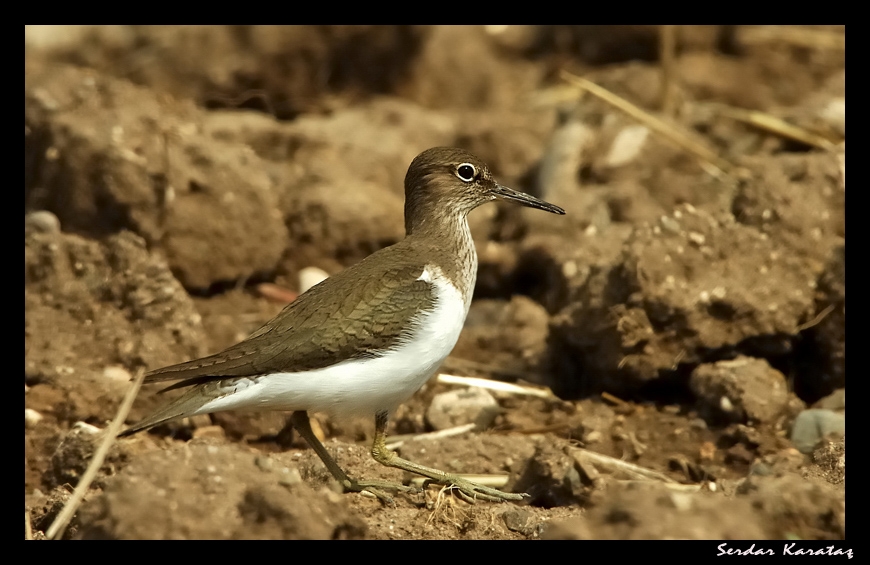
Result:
{"points": [[466, 172]]}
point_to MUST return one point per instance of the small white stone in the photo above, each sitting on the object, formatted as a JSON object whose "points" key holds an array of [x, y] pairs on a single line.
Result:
{"points": [[31, 417], [465, 406], [310, 276], [627, 145], [669, 224], [42, 221], [86, 428], [682, 501], [697, 238], [116, 373], [569, 269], [290, 476]]}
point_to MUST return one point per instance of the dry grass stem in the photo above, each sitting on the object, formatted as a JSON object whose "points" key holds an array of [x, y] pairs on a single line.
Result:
{"points": [[584, 456], [777, 126], [615, 400], [499, 386], [817, 319], [667, 56], [28, 530], [398, 441], [671, 132], [60, 523], [493, 481]]}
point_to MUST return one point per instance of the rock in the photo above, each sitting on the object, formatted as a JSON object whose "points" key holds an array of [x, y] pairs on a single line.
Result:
{"points": [[341, 175], [812, 425], [310, 276], [208, 205], [107, 307], [831, 458], [795, 199], [463, 406], [559, 274], [44, 509], [116, 373], [692, 284], [651, 511], [31, 418], [204, 490], [627, 146], [74, 453], [558, 181], [551, 477], [792, 506], [267, 512], [740, 390], [519, 520], [41, 221]]}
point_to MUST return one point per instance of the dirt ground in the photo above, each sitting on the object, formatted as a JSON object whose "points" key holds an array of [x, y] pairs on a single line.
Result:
{"points": [[688, 312]]}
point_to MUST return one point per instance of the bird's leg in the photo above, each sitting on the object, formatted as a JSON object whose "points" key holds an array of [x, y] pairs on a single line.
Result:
{"points": [[467, 490], [300, 421]]}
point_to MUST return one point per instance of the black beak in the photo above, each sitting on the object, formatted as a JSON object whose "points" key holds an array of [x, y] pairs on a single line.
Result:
{"points": [[526, 199]]}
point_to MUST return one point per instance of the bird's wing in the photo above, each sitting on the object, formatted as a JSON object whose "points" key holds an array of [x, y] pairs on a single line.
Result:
{"points": [[343, 317]]}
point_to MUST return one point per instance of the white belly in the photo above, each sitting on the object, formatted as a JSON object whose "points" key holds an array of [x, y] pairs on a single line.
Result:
{"points": [[361, 387]]}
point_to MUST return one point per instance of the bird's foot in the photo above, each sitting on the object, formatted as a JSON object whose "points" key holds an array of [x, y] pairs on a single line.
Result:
{"points": [[470, 491]]}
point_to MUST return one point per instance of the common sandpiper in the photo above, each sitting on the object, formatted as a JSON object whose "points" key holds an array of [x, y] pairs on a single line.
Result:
{"points": [[364, 340]]}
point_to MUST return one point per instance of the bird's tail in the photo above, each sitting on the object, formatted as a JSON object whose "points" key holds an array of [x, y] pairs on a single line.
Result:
{"points": [[187, 404]]}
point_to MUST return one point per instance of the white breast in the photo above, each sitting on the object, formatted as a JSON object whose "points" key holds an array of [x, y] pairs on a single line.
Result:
{"points": [[363, 386]]}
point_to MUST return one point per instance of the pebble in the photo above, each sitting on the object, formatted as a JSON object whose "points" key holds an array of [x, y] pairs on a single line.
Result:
{"points": [[85, 427], [116, 373], [41, 221], [519, 520], [31, 417], [264, 463], [290, 476], [465, 406], [627, 145], [814, 424], [739, 390], [310, 276]]}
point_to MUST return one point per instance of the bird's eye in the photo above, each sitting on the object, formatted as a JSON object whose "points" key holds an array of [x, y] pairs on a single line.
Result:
{"points": [[466, 172]]}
